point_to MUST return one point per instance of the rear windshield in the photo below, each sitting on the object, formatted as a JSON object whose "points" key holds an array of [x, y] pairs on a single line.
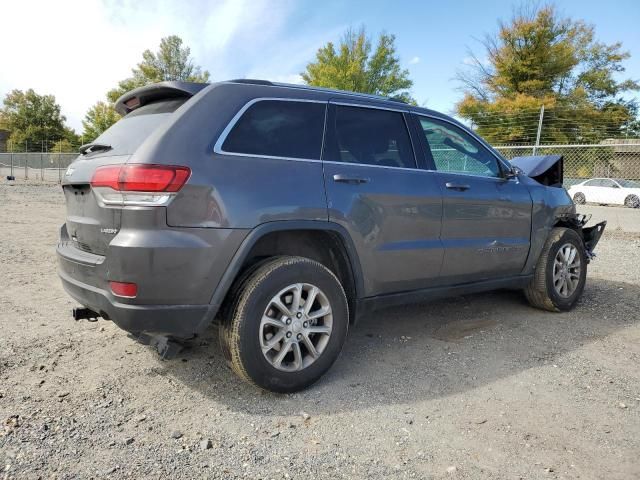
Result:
{"points": [[126, 135]]}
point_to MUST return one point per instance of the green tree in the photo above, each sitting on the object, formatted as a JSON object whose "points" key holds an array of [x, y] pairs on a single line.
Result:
{"points": [[98, 118], [64, 146], [172, 61], [539, 58], [35, 121], [355, 67]]}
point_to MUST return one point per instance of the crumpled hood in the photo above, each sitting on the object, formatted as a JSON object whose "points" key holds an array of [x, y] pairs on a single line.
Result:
{"points": [[546, 169]]}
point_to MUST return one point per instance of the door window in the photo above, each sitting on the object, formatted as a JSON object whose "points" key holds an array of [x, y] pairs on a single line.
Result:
{"points": [[454, 150], [278, 128], [370, 136]]}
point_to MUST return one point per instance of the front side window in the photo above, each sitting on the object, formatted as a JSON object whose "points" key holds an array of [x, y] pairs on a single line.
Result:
{"points": [[609, 183], [454, 150], [370, 136], [278, 128]]}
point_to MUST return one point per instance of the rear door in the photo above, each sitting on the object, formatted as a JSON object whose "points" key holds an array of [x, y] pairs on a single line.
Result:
{"points": [[91, 224], [486, 222], [587, 189], [391, 209]]}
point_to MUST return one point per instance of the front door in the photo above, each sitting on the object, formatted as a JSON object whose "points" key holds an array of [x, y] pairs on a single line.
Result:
{"points": [[593, 190], [391, 209], [486, 221]]}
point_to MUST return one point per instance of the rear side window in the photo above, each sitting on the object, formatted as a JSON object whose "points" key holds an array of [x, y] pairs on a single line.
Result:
{"points": [[370, 136], [278, 128]]}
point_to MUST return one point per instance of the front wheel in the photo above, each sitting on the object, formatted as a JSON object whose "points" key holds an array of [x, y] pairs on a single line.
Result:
{"points": [[287, 325], [560, 274], [579, 198]]}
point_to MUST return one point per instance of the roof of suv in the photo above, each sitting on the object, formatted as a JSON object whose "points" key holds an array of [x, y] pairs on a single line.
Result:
{"points": [[173, 89]]}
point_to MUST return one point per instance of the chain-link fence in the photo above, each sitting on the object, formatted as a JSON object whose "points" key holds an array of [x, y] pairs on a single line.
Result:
{"points": [[613, 160], [44, 167]]}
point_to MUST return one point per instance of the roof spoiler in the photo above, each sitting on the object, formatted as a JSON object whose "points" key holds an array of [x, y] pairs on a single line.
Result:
{"points": [[156, 91]]}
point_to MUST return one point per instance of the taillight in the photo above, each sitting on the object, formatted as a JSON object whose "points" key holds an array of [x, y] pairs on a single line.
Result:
{"points": [[138, 184], [124, 289], [108, 176]]}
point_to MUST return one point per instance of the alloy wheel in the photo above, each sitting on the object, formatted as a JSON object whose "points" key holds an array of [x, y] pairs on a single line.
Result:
{"points": [[566, 270], [295, 327]]}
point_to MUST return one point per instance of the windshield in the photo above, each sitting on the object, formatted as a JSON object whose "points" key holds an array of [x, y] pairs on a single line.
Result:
{"points": [[628, 183], [127, 134]]}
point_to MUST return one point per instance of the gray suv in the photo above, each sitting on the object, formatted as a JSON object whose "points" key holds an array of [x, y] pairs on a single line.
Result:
{"points": [[287, 213]]}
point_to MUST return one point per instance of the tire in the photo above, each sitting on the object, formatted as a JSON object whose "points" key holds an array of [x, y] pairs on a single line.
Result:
{"points": [[242, 333], [542, 291], [579, 199], [227, 308], [632, 201]]}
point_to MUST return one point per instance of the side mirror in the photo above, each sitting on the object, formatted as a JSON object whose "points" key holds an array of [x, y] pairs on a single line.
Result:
{"points": [[513, 173]]}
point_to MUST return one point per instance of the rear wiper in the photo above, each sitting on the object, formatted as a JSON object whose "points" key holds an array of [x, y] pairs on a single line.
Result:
{"points": [[94, 147]]}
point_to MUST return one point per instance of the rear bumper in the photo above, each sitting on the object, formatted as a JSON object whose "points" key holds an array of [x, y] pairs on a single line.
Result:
{"points": [[176, 321], [176, 272]]}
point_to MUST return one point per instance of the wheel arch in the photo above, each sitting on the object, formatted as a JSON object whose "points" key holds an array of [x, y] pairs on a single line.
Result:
{"points": [[267, 240]]}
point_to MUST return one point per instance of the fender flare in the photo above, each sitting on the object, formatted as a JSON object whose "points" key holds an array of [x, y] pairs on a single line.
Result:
{"points": [[236, 263]]}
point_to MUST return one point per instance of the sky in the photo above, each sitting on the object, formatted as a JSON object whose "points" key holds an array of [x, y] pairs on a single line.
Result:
{"points": [[79, 49]]}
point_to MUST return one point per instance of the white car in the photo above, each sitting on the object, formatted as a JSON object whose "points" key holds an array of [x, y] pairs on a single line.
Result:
{"points": [[610, 191]]}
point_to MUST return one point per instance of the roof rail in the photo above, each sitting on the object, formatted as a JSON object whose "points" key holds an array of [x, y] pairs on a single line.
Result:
{"points": [[371, 96], [252, 81]]}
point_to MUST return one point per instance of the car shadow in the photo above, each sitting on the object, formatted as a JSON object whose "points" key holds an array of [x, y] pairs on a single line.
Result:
{"points": [[413, 353]]}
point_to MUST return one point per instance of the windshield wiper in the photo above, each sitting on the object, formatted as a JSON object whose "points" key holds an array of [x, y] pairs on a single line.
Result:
{"points": [[94, 147]]}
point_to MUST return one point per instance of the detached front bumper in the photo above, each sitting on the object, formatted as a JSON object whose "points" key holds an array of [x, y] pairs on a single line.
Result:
{"points": [[591, 236]]}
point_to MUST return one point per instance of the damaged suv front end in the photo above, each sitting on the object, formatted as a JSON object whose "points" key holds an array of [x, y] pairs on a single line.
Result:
{"points": [[552, 205]]}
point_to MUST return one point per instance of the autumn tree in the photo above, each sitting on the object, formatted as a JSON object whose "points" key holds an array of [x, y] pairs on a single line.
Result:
{"points": [[356, 67], [539, 58]]}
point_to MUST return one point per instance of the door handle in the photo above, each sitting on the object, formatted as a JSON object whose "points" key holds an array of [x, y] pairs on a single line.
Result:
{"points": [[457, 186], [342, 178]]}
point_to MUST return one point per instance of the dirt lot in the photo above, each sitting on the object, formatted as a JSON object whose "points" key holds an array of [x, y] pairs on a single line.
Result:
{"points": [[480, 386]]}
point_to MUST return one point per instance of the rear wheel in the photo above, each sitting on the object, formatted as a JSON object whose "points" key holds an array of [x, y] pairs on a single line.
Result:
{"points": [[579, 198], [560, 274], [632, 201], [287, 326]]}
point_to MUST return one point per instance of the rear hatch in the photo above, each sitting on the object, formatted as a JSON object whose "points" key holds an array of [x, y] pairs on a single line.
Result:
{"points": [[91, 222]]}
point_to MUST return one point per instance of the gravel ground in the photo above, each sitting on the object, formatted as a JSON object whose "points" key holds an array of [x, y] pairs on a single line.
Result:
{"points": [[480, 386]]}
